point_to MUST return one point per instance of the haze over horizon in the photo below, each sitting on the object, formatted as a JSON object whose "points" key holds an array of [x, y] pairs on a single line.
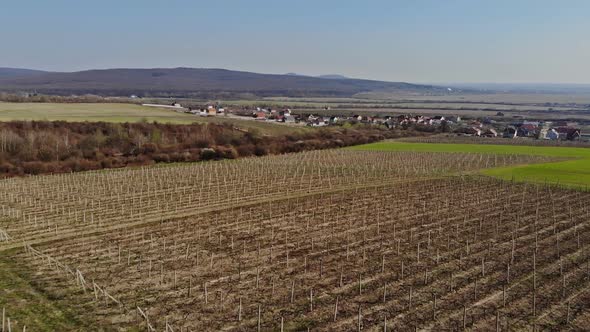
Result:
{"points": [[503, 41]]}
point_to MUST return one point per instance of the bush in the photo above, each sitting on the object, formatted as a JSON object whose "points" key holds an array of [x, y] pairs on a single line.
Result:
{"points": [[208, 154], [34, 167], [259, 151]]}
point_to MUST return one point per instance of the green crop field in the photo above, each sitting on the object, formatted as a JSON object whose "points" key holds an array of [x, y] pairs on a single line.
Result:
{"points": [[574, 172], [108, 112]]}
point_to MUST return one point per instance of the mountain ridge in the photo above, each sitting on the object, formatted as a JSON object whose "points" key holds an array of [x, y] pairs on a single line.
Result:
{"points": [[195, 81]]}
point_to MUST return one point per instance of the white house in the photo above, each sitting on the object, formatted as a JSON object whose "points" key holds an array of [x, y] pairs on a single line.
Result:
{"points": [[552, 134]]}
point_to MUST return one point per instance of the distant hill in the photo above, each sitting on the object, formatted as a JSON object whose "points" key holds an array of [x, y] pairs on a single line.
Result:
{"points": [[334, 77], [330, 76], [197, 82], [17, 72]]}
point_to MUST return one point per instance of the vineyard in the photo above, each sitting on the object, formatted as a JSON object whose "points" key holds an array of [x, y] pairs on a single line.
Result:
{"points": [[333, 240], [454, 139]]}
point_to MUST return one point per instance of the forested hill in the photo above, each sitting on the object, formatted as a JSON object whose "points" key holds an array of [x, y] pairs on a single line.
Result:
{"points": [[194, 82]]}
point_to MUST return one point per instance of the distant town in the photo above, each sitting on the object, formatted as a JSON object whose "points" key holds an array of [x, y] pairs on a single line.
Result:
{"points": [[498, 126]]}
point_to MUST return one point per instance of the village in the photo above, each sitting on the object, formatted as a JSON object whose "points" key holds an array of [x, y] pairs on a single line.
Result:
{"points": [[497, 126]]}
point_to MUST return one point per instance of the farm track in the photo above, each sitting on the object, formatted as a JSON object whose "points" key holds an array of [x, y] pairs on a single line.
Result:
{"points": [[216, 246]]}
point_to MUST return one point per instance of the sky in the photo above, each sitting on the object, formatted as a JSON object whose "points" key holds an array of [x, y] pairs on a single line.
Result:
{"points": [[507, 41]]}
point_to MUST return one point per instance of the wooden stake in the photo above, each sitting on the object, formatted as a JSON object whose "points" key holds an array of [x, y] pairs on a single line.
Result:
{"points": [[240, 311], [359, 319], [434, 307], [360, 285], [259, 310]]}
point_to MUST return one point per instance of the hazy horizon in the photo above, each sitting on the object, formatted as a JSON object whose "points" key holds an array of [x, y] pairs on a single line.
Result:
{"points": [[425, 41]]}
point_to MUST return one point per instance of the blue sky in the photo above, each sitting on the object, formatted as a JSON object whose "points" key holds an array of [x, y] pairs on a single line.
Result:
{"points": [[395, 40]]}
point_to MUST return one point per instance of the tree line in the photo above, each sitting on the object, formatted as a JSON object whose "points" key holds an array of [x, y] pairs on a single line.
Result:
{"points": [[38, 147]]}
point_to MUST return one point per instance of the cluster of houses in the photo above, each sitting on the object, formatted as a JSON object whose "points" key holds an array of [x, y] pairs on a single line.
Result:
{"points": [[545, 130], [485, 127], [262, 114], [210, 110], [524, 129], [428, 121], [314, 120]]}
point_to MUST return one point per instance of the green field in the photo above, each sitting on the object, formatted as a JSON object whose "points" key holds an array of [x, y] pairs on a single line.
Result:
{"points": [[574, 172], [116, 112], [108, 112]]}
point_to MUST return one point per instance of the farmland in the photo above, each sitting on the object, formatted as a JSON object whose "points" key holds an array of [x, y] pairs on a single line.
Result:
{"points": [[106, 112], [574, 172], [320, 240], [120, 113]]}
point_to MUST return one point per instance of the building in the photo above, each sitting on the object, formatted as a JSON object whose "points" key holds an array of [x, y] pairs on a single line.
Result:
{"points": [[569, 133], [509, 132], [528, 130], [551, 134], [260, 115], [469, 131], [490, 132]]}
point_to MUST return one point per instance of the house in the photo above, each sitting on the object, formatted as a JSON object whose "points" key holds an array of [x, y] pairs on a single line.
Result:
{"points": [[569, 133], [551, 134], [490, 132], [317, 121], [437, 120], [334, 119], [476, 123], [211, 111], [285, 112], [528, 130], [469, 131], [260, 115], [288, 119], [509, 132]]}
